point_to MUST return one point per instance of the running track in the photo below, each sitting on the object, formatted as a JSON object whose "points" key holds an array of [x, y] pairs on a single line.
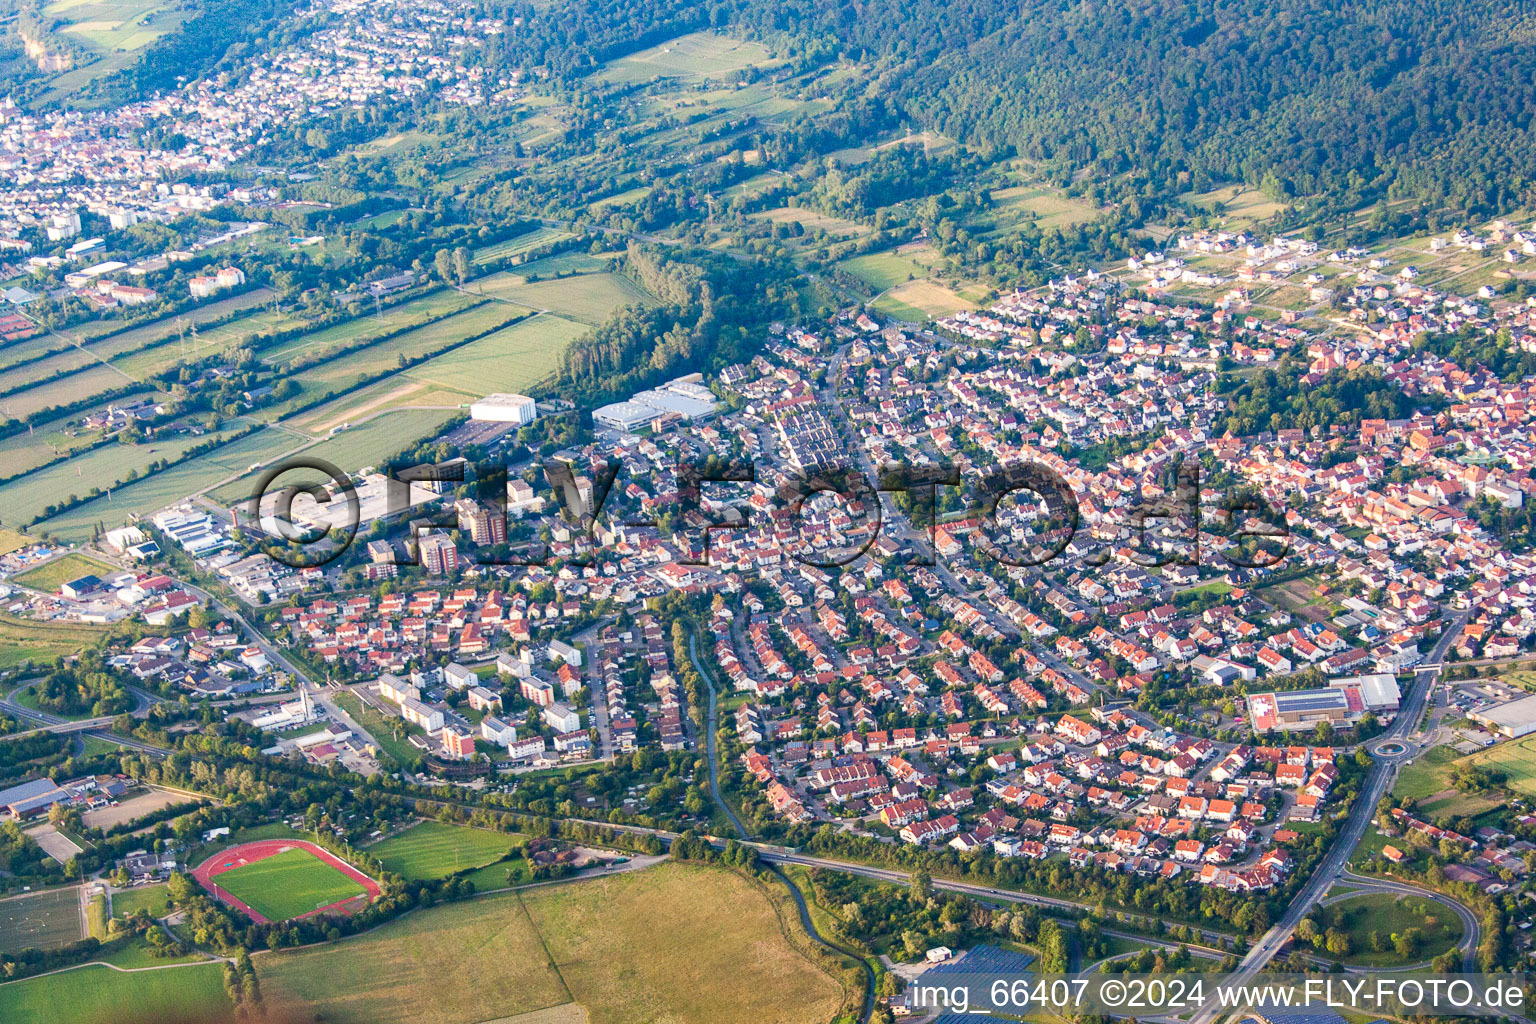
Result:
{"points": [[250, 853]]}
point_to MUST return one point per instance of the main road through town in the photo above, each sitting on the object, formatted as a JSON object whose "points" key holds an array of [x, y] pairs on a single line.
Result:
{"points": [[1378, 783]]}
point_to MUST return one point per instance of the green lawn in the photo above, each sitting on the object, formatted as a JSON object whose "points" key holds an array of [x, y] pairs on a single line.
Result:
{"points": [[154, 898], [100, 995], [288, 884], [1388, 914], [42, 642], [500, 875], [382, 729], [1429, 774], [882, 270], [96, 917], [434, 850], [52, 575]]}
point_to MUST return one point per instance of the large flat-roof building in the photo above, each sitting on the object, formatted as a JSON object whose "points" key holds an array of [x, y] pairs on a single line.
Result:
{"points": [[1342, 702], [1299, 709], [1513, 718], [684, 398], [505, 408]]}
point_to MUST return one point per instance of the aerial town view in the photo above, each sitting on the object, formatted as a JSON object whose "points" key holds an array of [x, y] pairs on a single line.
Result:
{"points": [[590, 512]]}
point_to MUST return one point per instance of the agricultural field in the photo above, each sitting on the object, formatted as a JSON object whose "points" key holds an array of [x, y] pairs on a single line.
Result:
{"points": [[368, 326], [48, 440], [139, 352], [591, 298], [40, 920], [1515, 758], [96, 994], [117, 25], [1389, 914], [715, 950], [701, 55], [50, 576], [512, 359], [90, 381], [815, 220], [288, 884], [1238, 206], [12, 540], [172, 485], [517, 246], [42, 642], [352, 367], [434, 850], [107, 466], [369, 443]]}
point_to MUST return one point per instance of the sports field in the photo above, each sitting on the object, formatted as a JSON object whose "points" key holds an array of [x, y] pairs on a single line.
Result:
{"points": [[99, 995], [434, 850], [281, 879], [669, 943], [40, 920]]}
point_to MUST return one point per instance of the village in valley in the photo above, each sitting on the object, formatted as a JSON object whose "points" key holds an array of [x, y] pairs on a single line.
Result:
{"points": [[612, 499]]}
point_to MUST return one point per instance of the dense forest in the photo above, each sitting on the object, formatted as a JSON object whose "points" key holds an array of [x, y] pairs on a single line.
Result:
{"points": [[1429, 98]]}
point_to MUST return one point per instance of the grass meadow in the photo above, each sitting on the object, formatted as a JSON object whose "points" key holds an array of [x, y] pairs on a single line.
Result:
{"points": [[672, 942]]}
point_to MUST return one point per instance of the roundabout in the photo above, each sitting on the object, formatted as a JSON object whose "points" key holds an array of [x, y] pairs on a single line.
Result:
{"points": [[1390, 750]]}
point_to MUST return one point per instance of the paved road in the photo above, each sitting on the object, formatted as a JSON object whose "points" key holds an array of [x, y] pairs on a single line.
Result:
{"points": [[1378, 783], [1471, 927], [794, 890]]}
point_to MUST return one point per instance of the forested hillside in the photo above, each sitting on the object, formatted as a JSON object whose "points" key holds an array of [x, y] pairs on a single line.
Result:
{"points": [[1430, 97]]}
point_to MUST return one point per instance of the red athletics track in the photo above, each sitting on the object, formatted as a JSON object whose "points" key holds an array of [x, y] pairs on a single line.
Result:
{"points": [[250, 853]]}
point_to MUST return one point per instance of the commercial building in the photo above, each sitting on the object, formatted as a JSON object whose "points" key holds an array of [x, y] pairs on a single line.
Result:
{"points": [[505, 408], [1299, 709], [681, 399], [1513, 718]]}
